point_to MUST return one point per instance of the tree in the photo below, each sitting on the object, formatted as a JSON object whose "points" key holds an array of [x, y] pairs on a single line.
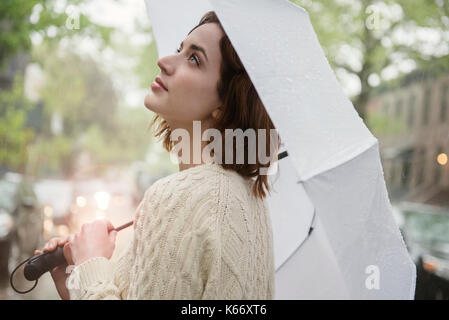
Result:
{"points": [[82, 95], [78, 89], [128, 143], [19, 19], [381, 34], [146, 68], [14, 135]]}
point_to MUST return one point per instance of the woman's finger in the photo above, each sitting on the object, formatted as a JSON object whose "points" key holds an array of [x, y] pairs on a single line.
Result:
{"points": [[50, 245], [63, 241]]}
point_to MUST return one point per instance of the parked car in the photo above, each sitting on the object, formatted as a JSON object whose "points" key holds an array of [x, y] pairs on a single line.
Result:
{"points": [[426, 233], [21, 221]]}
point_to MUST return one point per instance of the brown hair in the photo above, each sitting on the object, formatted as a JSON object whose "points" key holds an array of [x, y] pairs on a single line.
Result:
{"points": [[242, 108]]}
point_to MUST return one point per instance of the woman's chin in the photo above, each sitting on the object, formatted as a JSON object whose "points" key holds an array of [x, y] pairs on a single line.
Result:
{"points": [[148, 102]]}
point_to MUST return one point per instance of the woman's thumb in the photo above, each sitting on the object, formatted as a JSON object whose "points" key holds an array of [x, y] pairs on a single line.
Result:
{"points": [[113, 235]]}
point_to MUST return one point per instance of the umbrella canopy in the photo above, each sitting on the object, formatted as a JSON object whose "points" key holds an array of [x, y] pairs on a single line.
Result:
{"points": [[332, 179]]}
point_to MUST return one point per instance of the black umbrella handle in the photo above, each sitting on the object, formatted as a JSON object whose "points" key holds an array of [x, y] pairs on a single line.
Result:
{"points": [[43, 262]]}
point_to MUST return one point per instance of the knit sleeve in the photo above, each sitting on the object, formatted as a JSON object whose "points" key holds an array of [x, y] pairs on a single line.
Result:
{"points": [[100, 278]]}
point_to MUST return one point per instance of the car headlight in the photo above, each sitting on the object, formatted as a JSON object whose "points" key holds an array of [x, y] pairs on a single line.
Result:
{"points": [[81, 201], [6, 224], [102, 199]]}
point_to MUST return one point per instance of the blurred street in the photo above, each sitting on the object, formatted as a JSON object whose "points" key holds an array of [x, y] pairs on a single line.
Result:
{"points": [[120, 212]]}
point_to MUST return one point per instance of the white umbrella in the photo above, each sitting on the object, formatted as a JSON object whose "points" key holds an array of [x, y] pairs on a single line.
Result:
{"points": [[332, 178]]}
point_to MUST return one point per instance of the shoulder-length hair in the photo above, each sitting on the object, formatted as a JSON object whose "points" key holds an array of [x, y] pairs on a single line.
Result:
{"points": [[242, 109]]}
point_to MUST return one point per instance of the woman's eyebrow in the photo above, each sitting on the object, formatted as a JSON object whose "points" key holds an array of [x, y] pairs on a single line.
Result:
{"points": [[196, 48]]}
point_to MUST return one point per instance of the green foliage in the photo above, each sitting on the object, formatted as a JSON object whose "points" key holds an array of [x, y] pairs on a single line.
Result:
{"points": [[14, 135], [50, 156], [347, 24], [80, 90], [16, 25], [146, 68], [83, 94], [75, 87], [335, 22], [129, 143]]}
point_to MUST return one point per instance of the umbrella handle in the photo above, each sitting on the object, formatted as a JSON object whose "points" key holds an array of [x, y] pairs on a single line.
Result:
{"points": [[39, 264]]}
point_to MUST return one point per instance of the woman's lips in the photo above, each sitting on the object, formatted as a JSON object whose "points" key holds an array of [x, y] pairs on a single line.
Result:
{"points": [[155, 85], [159, 81]]}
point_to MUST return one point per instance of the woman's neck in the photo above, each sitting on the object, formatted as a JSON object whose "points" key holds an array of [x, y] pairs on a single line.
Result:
{"points": [[195, 146], [193, 163]]}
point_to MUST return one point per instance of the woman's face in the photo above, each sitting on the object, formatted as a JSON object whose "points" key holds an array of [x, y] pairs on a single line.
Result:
{"points": [[191, 80]]}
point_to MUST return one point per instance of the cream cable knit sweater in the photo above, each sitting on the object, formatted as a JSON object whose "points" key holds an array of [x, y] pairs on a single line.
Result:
{"points": [[198, 234]]}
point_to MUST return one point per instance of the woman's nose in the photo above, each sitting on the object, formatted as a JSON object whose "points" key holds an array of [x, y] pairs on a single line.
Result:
{"points": [[165, 65]]}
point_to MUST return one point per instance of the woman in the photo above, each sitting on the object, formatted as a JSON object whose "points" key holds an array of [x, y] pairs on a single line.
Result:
{"points": [[203, 232]]}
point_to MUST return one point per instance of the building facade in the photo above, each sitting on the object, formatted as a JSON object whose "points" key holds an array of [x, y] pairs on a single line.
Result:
{"points": [[412, 125]]}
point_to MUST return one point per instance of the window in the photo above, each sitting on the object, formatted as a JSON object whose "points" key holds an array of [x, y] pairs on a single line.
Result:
{"points": [[411, 111], [438, 168], [443, 111], [406, 157], [426, 107], [421, 163], [398, 108]]}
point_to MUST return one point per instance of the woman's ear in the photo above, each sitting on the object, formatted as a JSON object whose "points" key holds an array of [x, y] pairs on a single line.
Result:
{"points": [[217, 113]]}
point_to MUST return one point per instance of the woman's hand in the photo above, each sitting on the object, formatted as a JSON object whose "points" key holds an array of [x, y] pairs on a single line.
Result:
{"points": [[59, 273], [96, 239]]}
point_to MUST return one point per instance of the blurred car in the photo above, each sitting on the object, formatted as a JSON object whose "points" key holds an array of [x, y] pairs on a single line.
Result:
{"points": [[56, 197], [97, 198], [425, 229], [21, 220]]}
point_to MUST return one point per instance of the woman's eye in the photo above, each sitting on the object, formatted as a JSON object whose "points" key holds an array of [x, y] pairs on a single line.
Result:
{"points": [[194, 56]]}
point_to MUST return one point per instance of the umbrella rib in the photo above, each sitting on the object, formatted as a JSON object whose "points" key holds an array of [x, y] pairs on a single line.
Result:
{"points": [[311, 228]]}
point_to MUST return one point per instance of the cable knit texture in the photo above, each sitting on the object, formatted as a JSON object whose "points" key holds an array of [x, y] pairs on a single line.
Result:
{"points": [[198, 234]]}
